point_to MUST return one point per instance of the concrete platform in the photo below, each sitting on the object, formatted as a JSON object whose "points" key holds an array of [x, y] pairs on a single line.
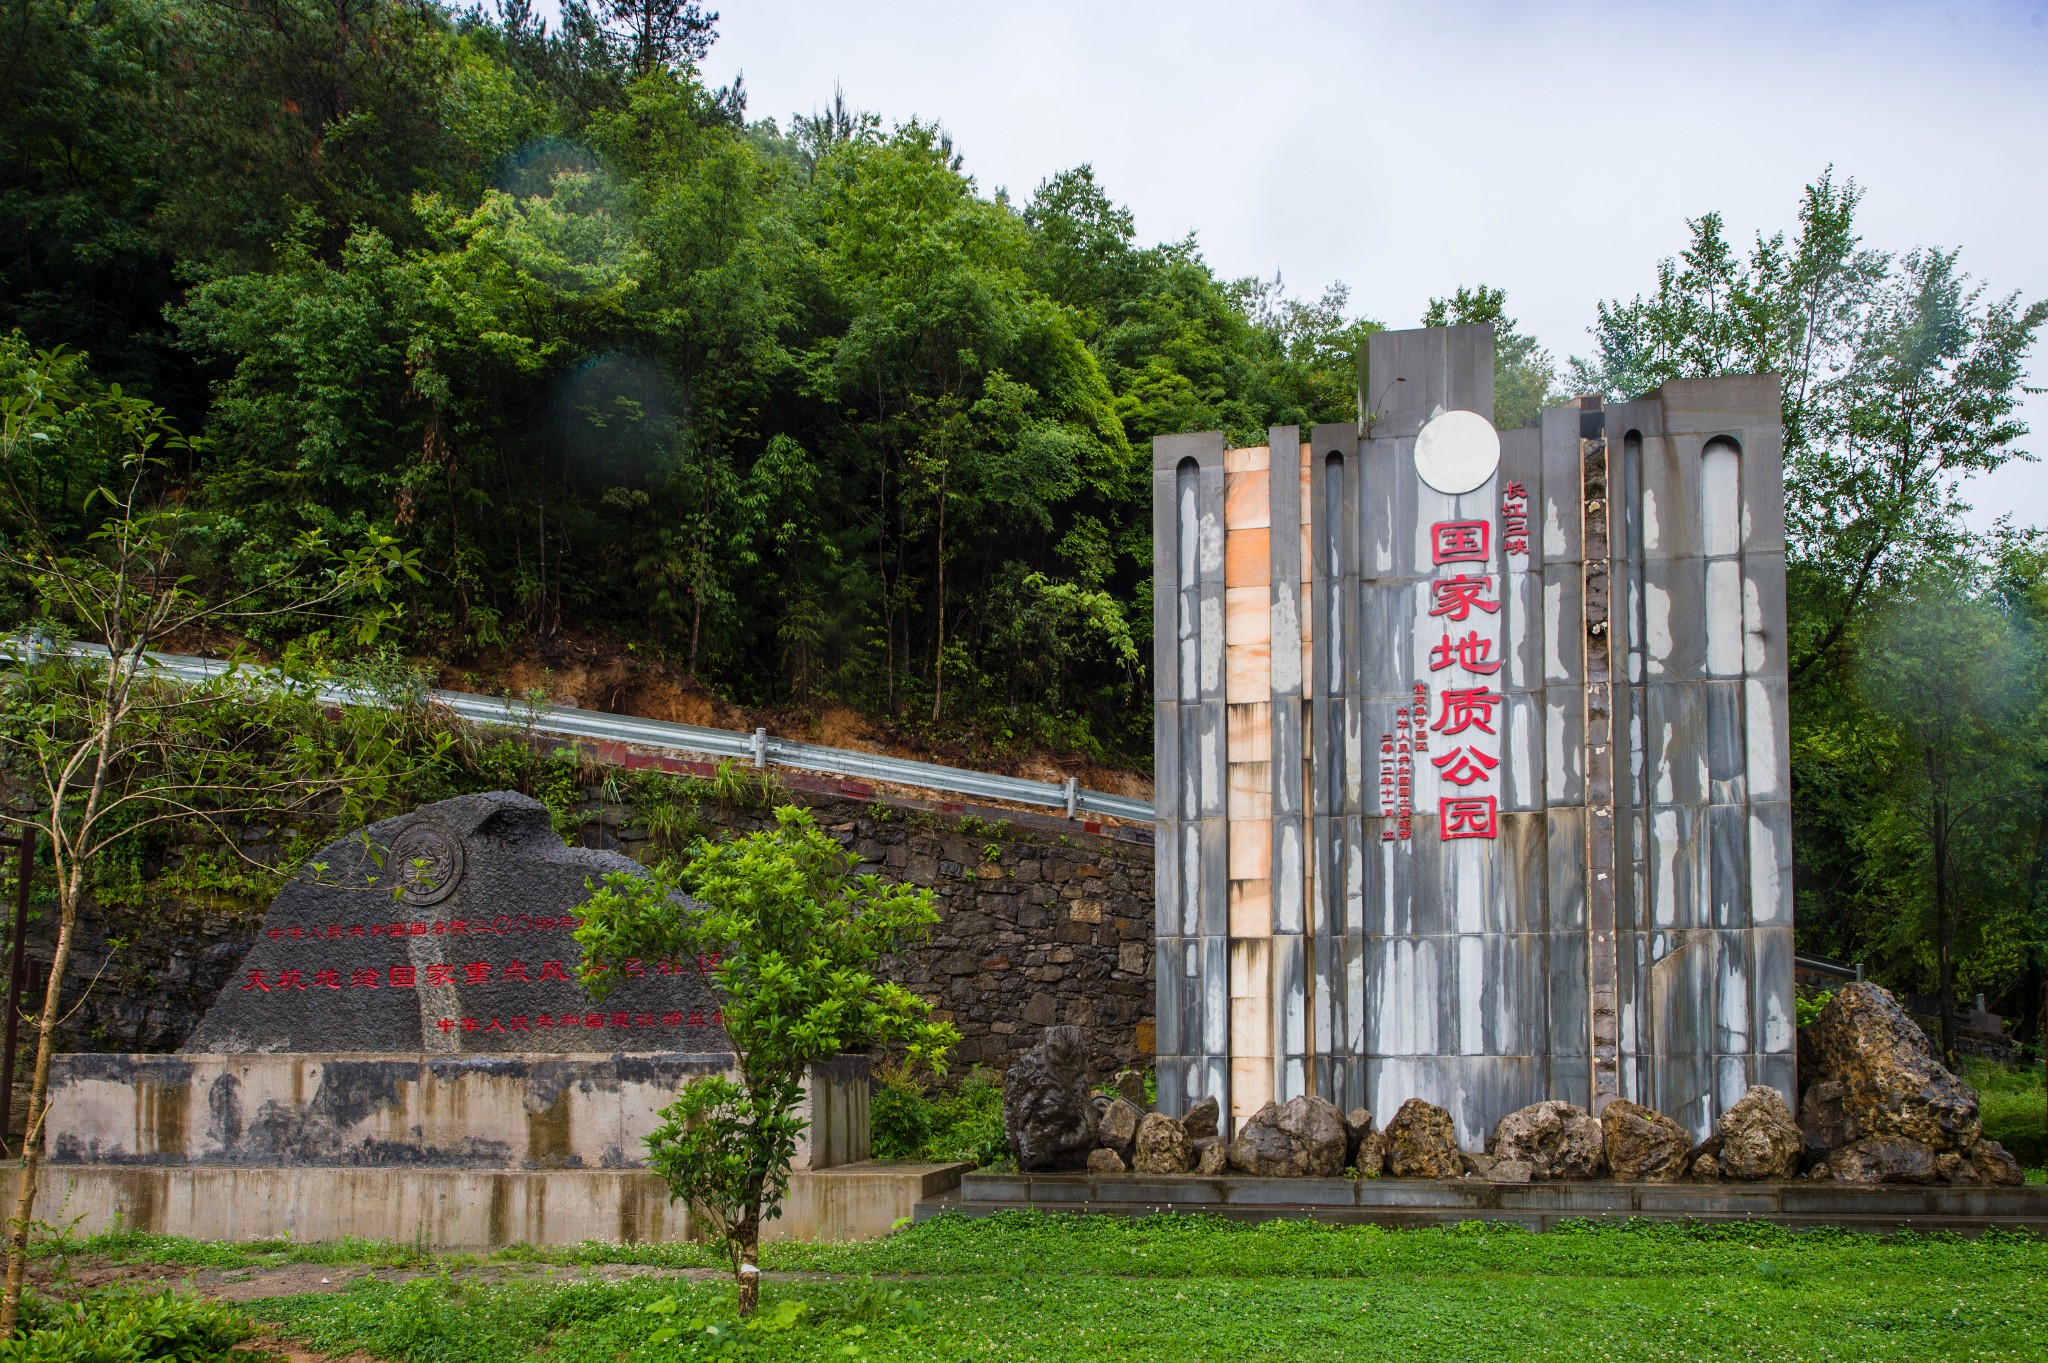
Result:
{"points": [[459, 1208], [1539, 1206]]}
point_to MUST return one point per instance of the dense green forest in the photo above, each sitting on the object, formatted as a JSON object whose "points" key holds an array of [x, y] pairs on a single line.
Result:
{"points": [[801, 412]]}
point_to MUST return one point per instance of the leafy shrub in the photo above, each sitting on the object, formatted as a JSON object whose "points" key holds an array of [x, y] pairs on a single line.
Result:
{"points": [[1806, 1007], [909, 1122], [2010, 1100], [125, 1326]]}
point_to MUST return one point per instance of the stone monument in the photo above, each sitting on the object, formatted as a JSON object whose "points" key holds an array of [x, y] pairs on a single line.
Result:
{"points": [[1472, 765]]}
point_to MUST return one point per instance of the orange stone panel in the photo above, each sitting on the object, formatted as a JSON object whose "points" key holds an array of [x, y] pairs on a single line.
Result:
{"points": [[1247, 460], [1251, 850], [1251, 908], [1248, 732], [1248, 558], [1247, 501]]}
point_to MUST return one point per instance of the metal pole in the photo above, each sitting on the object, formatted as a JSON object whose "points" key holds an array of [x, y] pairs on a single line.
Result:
{"points": [[16, 982]]}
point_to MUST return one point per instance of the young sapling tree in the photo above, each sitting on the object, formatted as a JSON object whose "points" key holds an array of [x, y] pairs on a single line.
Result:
{"points": [[791, 937]]}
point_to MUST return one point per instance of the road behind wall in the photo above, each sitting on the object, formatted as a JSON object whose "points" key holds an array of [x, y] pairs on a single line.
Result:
{"points": [[1041, 922]]}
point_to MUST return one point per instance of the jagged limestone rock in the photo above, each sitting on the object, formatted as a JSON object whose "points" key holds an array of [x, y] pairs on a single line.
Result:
{"points": [[1643, 1145], [1101, 1161], [1759, 1139], [1892, 1083], [1118, 1126], [1558, 1139], [1422, 1142], [1301, 1138], [1882, 1159], [1212, 1156], [1993, 1164], [1162, 1146], [1200, 1120], [1048, 1117]]}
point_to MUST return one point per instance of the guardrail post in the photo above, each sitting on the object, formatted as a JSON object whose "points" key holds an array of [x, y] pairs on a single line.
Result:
{"points": [[1073, 795], [760, 748]]}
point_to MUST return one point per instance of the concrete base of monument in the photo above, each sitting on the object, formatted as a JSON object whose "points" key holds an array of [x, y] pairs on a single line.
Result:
{"points": [[460, 1208], [1539, 1206]]}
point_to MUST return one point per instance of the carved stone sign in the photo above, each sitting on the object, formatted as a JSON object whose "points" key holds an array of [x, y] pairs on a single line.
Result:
{"points": [[448, 930]]}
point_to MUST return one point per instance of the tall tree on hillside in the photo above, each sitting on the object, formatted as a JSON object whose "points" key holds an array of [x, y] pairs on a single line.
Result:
{"points": [[1901, 380], [1524, 375], [660, 33]]}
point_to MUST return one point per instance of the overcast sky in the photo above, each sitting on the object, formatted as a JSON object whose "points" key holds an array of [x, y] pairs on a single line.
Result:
{"points": [[1553, 149]]}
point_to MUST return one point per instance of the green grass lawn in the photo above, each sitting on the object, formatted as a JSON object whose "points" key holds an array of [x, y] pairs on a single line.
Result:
{"points": [[2010, 1100], [1026, 1286]]}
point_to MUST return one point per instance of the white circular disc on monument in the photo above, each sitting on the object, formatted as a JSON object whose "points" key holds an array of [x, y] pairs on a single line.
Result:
{"points": [[1457, 451]]}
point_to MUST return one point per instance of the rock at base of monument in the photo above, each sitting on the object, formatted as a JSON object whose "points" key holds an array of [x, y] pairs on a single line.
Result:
{"points": [[1759, 1139], [1370, 1158], [1993, 1164], [1824, 1119], [1422, 1142], [1703, 1161], [1511, 1171], [1162, 1147], [1131, 1085], [1477, 1165], [1048, 1112], [448, 931], [1643, 1145], [1117, 1128], [1950, 1167], [1892, 1083], [1357, 1126], [1212, 1157], [1102, 1161], [1560, 1141], [1200, 1120], [1303, 1137], [1882, 1159]]}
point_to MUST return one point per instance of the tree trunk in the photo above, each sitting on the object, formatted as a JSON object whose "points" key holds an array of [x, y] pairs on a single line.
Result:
{"points": [[939, 651], [747, 1255], [1945, 940], [39, 1087]]}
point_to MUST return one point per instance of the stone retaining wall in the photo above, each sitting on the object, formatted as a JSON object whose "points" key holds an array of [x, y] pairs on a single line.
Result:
{"points": [[1042, 920]]}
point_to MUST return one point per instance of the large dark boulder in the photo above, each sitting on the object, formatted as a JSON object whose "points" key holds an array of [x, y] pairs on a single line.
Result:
{"points": [[1303, 1137], [1556, 1139], [1162, 1146], [1422, 1142], [1891, 1081], [1047, 1115], [1882, 1159], [1643, 1145]]}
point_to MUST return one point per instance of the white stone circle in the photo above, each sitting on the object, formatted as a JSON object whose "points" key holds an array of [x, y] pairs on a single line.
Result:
{"points": [[1456, 451]]}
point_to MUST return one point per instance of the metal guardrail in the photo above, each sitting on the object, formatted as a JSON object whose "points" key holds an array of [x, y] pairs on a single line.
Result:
{"points": [[759, 747], [1845, 970]]}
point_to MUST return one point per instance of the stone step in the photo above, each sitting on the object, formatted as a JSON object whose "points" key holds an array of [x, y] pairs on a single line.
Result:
{"points": [[1539, 1206]]}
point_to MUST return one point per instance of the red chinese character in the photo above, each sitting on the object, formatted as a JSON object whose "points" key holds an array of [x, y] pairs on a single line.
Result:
{"points": [[296, 934], [477, 971], [635, 967], [327, 979], [544, 1020], [1469, 653], [671, 1019], [1467, 816], [446, 1024], [418, 929], [459, 925], [1459, 541], [355, 930], [569, 1020], [401, 977], [516, 1025], [622, 1019], [552, 970], [515, 970], [469, 1024], [496, 1026], [1463, 766], [1466, 708], [291, 979], [256, 978], [1456, 596], [718, 1017], [440, 974], [1516, 490], [276, 933], [439, 929], [593, 1020], [643, 1019], [336, 931], [696, 1017], [377, 929], [363, 979]]}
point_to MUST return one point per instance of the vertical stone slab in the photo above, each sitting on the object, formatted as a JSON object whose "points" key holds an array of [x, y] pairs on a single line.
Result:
{"points": [[1597, 573], [1191, 967], [1290, 1022]]}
